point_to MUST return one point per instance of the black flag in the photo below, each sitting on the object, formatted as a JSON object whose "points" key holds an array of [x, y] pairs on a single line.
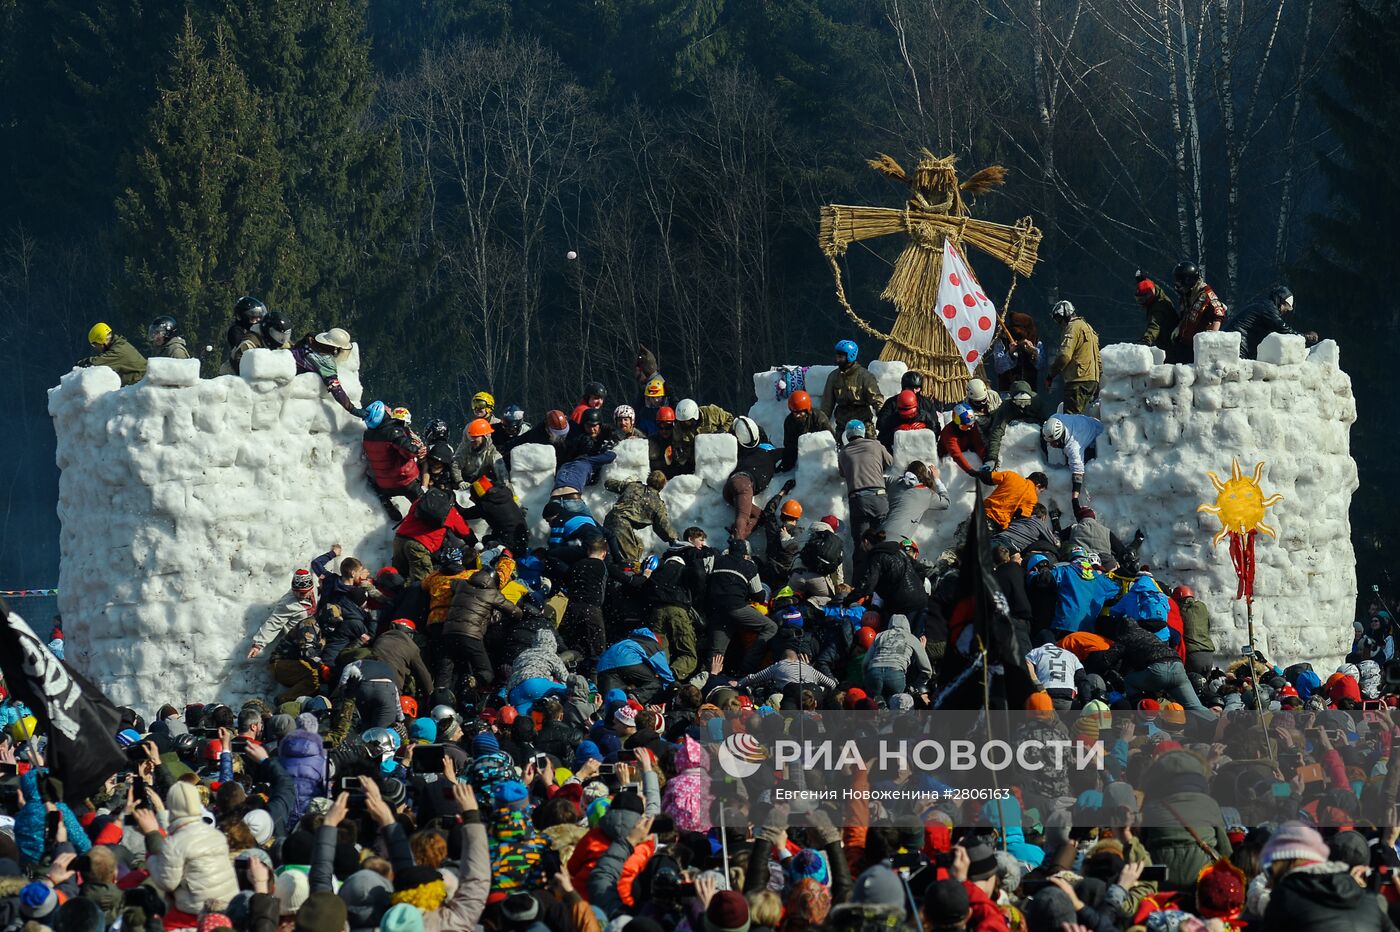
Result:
{"points": [[981, 616], [80, 722]]}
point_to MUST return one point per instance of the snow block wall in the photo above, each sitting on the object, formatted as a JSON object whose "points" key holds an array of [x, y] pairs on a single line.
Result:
{"points": [[186, 504]]}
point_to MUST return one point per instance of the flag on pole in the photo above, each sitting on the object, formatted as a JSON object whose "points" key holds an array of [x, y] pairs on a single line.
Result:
{"points": [[964, 308], [80, 722]]}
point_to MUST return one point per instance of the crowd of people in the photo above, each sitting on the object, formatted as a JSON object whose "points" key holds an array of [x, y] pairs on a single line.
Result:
{"points": [[488, 731]]}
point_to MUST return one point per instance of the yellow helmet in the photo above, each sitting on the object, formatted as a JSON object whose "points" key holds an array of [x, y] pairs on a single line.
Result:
{"points": [[483, 400], [401, 414], [99, 334], [24, 729], [655, 388]]}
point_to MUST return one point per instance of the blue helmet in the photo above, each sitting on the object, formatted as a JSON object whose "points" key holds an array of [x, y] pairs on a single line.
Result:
{"points": [[855, 428], [375, 413], [849, 349], [963, 415]]}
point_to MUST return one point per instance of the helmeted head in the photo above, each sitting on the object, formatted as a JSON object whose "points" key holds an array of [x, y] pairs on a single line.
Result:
{"points": [[913, 381], [376, 412], [1282, 298], [625, 416], [277, 329], [402, 415], [593, 394], [557, 424], [1053, 432], [687, 412], [435, 431], [963, 416], [1022, 394], [483, 404], [249, 311], [513, 416], [855, 429], [665, 419], [335, 340], [791, 510], [1186, 275], [478, 431], [799, 402], [846, 353], [906, 403], [591, 421], [655, 389], [162, 329], [1182, 593], [100, 336], [1062, 311], [745, 430]]}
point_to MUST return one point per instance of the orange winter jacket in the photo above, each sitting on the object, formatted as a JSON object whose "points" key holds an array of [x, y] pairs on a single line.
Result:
{"points": [[439, 589], [1013, 495], [592, 846]]}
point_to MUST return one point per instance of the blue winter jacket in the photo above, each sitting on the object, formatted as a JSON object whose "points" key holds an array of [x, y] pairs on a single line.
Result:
{"points": [[303, 756], [29, 821], [641, 646], [1080, 599], [1143, 602], [578, 472]]}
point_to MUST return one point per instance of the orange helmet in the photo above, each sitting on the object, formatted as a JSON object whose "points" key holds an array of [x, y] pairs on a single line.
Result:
{"points": [[409, 706], [865, 637], [666, 415], [792, 508], [479, 428], [799, 401]]}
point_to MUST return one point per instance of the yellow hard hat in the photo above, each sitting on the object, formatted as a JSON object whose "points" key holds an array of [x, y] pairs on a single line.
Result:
{"points": [[99, 334], [402, 414], [483, 400], [24, 729]]}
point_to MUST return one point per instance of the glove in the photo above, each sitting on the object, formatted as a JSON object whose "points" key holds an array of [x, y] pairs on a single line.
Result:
{"points": [[789, 486], [984, 475]]}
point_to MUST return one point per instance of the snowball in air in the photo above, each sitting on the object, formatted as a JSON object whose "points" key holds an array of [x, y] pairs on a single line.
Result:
{"points": [[571, 255]]}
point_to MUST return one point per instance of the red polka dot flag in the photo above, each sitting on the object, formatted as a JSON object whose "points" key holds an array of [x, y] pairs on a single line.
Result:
{"points": [[964, 309]]}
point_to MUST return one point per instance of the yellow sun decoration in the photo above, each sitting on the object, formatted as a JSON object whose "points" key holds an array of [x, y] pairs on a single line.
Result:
{"points": [[1240, 503]]}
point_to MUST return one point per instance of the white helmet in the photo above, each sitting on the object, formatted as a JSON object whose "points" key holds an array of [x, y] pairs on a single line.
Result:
{"points": [[442, 713], [976, 390], [1053, 431], [1063, 310], [687, 410], [622, 411], [745, 431]]}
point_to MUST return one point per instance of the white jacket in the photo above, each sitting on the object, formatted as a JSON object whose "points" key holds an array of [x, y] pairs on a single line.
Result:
{"points": [[194, 864]]}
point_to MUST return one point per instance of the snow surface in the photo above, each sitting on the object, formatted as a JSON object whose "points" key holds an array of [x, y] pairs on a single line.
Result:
{"points": [[186, 504]]}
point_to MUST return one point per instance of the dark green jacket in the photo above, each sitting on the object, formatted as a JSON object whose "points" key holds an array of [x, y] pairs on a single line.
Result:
{"points": [[122, 358]]}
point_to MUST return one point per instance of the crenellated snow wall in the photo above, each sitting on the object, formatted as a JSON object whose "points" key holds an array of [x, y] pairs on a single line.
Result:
{"points": [[186, 503]]}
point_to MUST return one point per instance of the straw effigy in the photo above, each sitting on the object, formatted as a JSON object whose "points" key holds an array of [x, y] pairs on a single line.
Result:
{"points": [[934, 213]]}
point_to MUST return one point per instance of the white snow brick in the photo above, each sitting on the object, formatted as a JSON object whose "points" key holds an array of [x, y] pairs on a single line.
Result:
{"points": [[265, 365], [1124, 360], [1282, 349], [1217, 348], [173, 372], [1326, 353]]}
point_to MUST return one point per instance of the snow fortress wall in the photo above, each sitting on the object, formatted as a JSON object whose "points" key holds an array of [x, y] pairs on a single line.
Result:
{"points": [[186, 503]]}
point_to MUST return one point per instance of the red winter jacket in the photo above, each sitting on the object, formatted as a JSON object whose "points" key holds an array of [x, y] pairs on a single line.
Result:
{"points": [[393, 454], [956, 443], [985, 916], [431, 537]]}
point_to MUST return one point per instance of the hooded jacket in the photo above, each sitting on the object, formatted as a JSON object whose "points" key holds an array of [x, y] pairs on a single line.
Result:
{"points": [[475, 462], [1175, 790], [897, 648], [475, 603], [1323, 897], [910, 500], [640, 647], [687, 797], [890, 574], [193, 865], [399, 652], [303, 757], [539, 661]]}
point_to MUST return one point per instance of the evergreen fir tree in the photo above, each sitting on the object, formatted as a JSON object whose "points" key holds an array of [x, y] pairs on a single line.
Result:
{"points": [[202, 219], [1343, 284]]}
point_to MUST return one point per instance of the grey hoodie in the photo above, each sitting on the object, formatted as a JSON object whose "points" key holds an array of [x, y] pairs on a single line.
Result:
{"points": [[896, 647], [542, 660]]}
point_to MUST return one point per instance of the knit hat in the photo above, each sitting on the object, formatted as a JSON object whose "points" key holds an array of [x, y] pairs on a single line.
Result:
{"points": [[37, 900], [626, 717], [260, 824], [946, 903], [402, 918], [1220, 890], [878, 886], [423, 729], [1350, 848], [485, 743], [366, 894], [303, 581], [293, 888], [519, 908], [1040, 701], [628, 802], [808, 863], [394, 791], [587, 750], [211, 921], [1173, 716], [1294, 841], [322, 912], [902, 702], [511, 793], [279, 726], [728, 912]]}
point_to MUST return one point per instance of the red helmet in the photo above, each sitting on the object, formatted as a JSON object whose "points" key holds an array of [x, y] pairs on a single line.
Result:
{"points": [[409, 706], [509, 715], [906, 403], [556, 420], [865, 637], [799, 401], [666, 415], [1182, 593]]}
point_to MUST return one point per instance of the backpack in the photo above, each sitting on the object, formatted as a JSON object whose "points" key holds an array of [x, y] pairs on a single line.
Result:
{"points": [[823, 553], [435, 505]]}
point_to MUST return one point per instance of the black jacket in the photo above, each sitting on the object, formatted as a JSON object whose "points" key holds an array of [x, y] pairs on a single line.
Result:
{"points": [[1012, 579], [732, 584], [1136, 648], [587, 582], [1323, 898], [758, 464], [890, 573], [793, 429], [500, 512], [887, 421], [1257, 320]]}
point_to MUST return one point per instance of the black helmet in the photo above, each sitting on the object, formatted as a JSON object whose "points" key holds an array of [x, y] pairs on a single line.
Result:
{"points": [[595, 388], [277, 328], [434, 431], [592, 417], [249, 311], [164, 325], [1279, 294], [911, 380], [441, 452], [1186, 274]]}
